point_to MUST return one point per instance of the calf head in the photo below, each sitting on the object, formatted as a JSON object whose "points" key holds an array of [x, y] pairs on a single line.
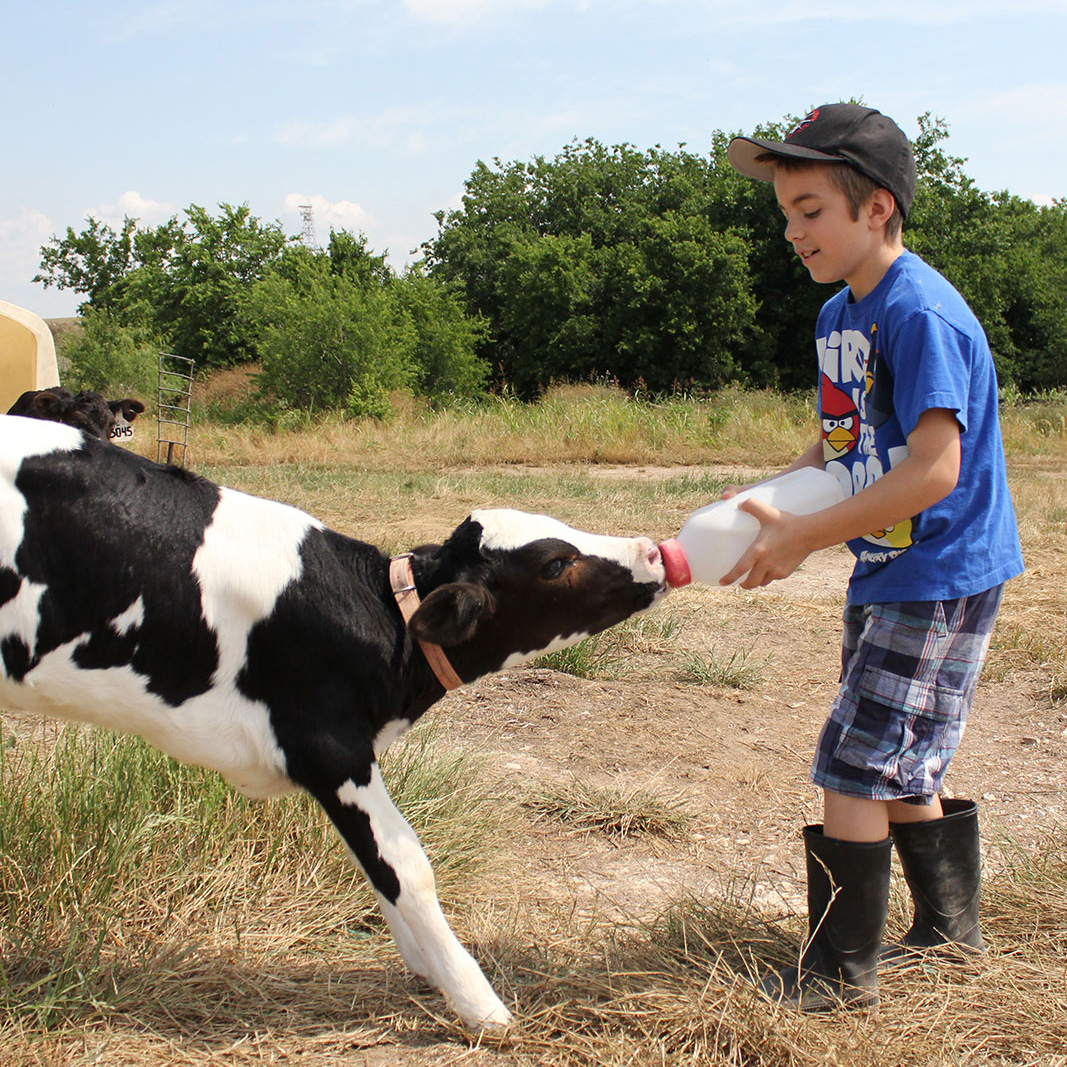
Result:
{"points": [[86, 411], [508, 586]]}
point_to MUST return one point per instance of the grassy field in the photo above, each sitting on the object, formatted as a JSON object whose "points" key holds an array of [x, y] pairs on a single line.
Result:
{"points": [[149, 916]]}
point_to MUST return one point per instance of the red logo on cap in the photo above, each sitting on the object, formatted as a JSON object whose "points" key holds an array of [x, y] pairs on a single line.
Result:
{"points": [[803, 124]]}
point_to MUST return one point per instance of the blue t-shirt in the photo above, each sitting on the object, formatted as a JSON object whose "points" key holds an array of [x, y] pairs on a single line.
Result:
{"points": [[910, 345]]}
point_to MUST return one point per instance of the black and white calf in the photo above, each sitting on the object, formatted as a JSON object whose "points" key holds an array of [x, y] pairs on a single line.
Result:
{"points": [[240, 634]]}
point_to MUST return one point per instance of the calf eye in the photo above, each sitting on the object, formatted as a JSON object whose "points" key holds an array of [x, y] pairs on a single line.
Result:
{"points": [[555, 567]]}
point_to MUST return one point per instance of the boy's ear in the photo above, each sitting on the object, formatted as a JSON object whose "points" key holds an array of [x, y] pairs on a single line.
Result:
{"points": [[881, 207]]}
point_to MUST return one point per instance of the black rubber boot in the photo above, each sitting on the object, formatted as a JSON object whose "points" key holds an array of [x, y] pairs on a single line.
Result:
{"points": [[942, 865], [848, 896]]}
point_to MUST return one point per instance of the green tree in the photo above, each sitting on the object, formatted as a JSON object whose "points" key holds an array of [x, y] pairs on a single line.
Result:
{"points": [[94, 262], [777, 351], [1003, 253], [188, 282], [113, 359], [337, 330], [601, 261], [661, 269], [1035, 310], [446, 363], [328, 345], [199, 300]]}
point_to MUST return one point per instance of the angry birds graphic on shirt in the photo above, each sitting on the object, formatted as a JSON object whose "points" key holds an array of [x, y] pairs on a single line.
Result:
{"points": [[855, 399], [840, 421]]}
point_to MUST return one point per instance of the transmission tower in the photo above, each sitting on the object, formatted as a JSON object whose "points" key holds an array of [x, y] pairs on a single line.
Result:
{"points": [[307, 231]]}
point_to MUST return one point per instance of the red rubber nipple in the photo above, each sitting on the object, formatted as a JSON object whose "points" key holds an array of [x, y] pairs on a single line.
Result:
{"points": [[675, 565]]}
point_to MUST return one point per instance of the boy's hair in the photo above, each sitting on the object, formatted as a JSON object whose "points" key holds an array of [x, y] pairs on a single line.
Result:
{"points": [[857, 187]]}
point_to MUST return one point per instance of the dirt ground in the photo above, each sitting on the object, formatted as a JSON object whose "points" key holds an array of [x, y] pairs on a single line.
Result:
{"points": [[736, 760]]}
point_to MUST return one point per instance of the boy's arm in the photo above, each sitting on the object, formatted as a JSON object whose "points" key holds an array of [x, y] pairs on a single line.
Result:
{"points": [[928, 474], [810, 457]]}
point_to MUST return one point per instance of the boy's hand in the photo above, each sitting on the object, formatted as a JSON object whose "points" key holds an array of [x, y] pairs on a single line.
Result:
{"points": [[779, 547], [926, 475]]}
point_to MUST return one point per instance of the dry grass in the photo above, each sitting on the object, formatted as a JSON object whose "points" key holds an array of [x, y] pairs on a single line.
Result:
{"points": [[679, 991], [611, 811], [127, 878], [237, 937], [589, 424]]}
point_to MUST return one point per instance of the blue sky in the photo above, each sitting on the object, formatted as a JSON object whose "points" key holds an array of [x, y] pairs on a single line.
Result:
{"points": [[376, 111]]}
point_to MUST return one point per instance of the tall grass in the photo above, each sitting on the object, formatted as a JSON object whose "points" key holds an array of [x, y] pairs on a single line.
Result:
{"points": [[596, 424], [592, 424], [115, 861], [591, 454], [605, 461]]}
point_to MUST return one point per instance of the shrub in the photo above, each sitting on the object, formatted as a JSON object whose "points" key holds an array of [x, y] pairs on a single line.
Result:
{"points": [[111, 359], [328, 344]]}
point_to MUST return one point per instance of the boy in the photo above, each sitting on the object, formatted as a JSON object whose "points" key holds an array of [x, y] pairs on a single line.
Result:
{"points": [[908, 404]]}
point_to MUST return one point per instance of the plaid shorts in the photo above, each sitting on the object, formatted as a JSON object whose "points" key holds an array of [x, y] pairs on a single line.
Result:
{"points": [[908, 675]]}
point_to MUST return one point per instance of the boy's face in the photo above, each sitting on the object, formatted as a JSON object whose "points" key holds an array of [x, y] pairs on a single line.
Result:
{"points": [[819, 225]]}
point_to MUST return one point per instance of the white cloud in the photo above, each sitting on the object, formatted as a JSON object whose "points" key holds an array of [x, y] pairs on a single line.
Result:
{"points": [[328, 133], [911, 12], [172, 19], [1041, 105], [405, 127], [149, 213], [1031, 120], [757, 12], [455, 201], [418, 131]]}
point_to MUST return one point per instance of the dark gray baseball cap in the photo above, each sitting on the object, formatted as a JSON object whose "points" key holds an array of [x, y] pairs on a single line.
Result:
{"points": [[839, 133]]}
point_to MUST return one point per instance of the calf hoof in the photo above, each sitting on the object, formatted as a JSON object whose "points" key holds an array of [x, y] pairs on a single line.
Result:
{"points": [[494, 1021]]}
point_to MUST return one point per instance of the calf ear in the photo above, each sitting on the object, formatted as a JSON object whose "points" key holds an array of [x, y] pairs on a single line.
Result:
{"points": [[129, 407], [47, 405], [451, 613]]}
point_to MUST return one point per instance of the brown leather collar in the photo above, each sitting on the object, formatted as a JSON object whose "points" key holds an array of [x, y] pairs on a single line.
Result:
{"points": [[402, 580]]}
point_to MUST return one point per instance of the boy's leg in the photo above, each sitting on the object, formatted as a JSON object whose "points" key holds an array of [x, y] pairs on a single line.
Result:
{"points": [[901, 811], [848, 818], [894, 726], [859, 819], [847, 860], [848, 895], [941, 857], [942, 864]]}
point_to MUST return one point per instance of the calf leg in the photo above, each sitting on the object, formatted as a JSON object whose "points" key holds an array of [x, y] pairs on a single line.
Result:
{"points": [[409, 949], [389, 852]]}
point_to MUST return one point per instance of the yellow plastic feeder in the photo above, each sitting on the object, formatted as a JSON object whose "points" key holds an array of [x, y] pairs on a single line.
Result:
{"points": [[27, 354]]}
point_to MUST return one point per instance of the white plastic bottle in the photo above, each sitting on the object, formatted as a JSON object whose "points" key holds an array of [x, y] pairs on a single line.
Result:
{"points": [[715, 537]]}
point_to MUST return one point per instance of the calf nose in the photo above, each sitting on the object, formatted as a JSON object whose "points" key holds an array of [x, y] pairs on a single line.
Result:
{"points": [[648, 551]]}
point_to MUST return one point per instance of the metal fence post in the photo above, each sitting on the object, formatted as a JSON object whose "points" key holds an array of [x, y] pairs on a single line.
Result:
{"points": [[173, 414]]}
